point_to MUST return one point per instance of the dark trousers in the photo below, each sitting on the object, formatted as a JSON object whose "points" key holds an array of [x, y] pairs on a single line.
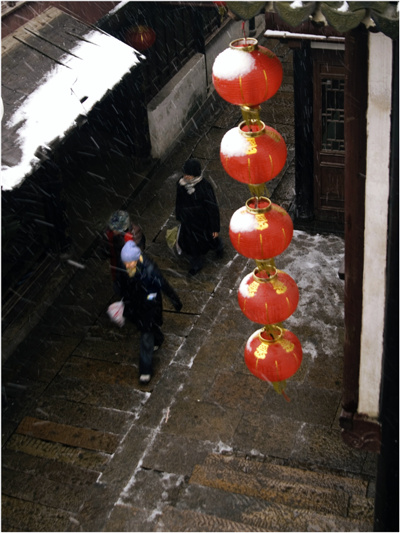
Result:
{"points": [[197, 261], [149, 339], [218, 246]]}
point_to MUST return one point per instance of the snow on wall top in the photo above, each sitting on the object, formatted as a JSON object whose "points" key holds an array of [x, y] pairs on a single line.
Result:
{"points": [[67, 91]]}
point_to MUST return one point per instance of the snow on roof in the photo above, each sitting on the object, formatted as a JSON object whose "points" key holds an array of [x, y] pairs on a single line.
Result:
{"points": [[70, 89], [118, 7]]}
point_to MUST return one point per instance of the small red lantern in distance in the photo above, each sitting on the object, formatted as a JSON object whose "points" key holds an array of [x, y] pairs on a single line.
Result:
{"points": [[268, 297], [261, 229], [141, 37], [253, 154], [273, 354], [246, 74]]}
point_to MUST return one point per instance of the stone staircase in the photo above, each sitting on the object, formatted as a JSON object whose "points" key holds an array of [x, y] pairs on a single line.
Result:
{"points": [[229, 493]]}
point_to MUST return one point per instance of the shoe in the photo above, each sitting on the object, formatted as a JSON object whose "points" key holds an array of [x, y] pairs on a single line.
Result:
{"points": [[158, 346], [144, 379]]}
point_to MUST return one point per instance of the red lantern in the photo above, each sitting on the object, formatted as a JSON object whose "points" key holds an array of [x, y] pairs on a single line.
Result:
{"points": [[273, 354], [253, 154], [268, 297], [261, 229], [141, 37], [246, 74]]}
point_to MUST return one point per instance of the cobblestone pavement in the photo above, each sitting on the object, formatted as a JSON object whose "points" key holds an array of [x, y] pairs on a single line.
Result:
{"points": [[206, 446]]}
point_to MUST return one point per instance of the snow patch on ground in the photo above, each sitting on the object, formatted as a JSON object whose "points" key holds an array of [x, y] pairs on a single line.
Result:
{"points": [[314, 261]]}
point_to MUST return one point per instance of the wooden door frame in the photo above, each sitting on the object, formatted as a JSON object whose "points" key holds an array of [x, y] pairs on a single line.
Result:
{"points": [[321, 57], [358, 431]]}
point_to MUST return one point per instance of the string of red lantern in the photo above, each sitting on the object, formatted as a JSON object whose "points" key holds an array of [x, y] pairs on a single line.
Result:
{"points": [[246, 74]]}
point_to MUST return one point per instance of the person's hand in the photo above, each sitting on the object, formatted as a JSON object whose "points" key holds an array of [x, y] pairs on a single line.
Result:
{"points": [[215, 234], [178, 305]]}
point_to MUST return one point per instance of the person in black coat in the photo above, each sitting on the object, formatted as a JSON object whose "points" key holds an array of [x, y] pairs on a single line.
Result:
{"points": [[139, 284], [198, 213]]}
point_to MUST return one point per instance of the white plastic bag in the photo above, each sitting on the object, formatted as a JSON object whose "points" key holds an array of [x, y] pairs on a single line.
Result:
{"points": [[116, 313]]}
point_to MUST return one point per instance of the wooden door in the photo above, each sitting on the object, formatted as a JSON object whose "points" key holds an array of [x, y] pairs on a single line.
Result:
{"points": [[329, 142]]}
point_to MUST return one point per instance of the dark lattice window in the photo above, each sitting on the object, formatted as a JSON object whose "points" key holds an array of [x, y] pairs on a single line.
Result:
{"points": [[333, 115]]}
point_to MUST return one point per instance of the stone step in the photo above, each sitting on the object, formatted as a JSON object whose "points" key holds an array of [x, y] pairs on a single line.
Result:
{"points": [[77, 437], [37, 489], [258, 514], [21, 515], [257, 486], [50, 469], [173, 519], [321, 478], [86, 459], [282, 495]]}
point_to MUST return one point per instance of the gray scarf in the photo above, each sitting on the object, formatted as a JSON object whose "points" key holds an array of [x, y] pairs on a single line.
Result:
{"points": [[190, 185]]}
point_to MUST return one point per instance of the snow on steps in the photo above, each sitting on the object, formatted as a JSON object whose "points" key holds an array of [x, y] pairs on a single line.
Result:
{"points": [[270, 497]]}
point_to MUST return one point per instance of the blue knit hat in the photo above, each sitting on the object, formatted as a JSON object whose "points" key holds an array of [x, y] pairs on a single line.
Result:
{"points": [[130, 252]]}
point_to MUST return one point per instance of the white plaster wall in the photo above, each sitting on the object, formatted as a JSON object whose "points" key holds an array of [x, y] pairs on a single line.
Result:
{"points": [[175, 104], [376, 213]]}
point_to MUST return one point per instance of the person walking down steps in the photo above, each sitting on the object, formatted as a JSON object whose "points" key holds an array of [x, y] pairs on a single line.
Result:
{"points": [[140, 284], [198, 213]]}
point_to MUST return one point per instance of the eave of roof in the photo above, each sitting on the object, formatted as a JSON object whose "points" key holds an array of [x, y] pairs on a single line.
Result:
{"points": [[54, 70], [341, 16]]}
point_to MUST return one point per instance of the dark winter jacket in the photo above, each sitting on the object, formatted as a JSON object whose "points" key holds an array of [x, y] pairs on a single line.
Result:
{"points": [[142, 293], [198, 214]]}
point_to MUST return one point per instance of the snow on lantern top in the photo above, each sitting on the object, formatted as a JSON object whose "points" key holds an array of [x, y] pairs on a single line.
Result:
{"points": [[247, 74], [234, 144], [231, 64]]}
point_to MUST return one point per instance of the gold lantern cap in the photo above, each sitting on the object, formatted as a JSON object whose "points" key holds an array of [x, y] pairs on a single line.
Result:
{"points": [[270, 334], [270, 272], [259, 124], [256, 200], [245, 44]]}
